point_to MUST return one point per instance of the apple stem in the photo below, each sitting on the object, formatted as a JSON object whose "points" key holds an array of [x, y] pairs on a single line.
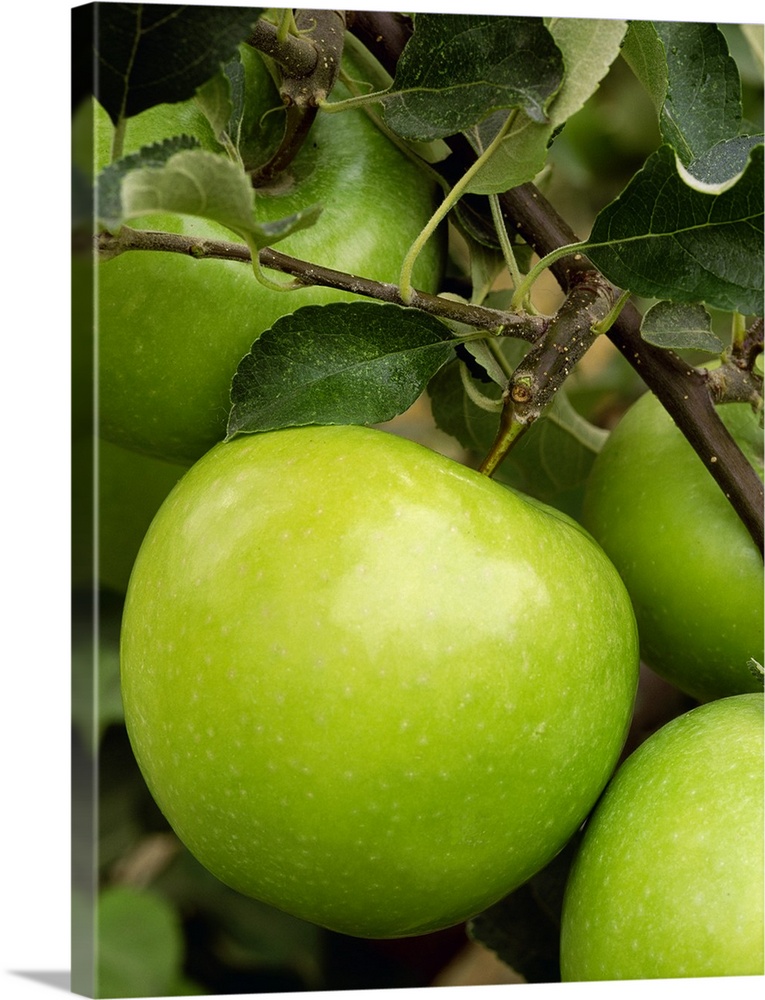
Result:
{"points": [[297, 124], [510, 429]]}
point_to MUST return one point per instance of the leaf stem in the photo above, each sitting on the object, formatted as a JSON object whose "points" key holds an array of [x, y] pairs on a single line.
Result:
{"points": [[350, 103], [605, 324], [257, 270], [499, 357], [286, 25], [524, 288], [451, 199], [505, 244], [433, 175], [475, 394]]}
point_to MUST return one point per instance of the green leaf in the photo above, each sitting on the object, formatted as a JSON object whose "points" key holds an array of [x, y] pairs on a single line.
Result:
{"points": [[139, 944], [695, 87], [663, 239], [644, 53], [109, 204], [458, 68], [149, 54], [680, 326], [519, 158], [344, 363], [214, 98], [589, 47], [703, 102], [198, 182], [487, 360], [194, 182], [722, 166]]}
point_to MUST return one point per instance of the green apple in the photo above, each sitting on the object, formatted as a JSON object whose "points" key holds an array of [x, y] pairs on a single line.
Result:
{"points": [[691, 568], [173, 329], [128, 489], [368, 685], [668, 881]]}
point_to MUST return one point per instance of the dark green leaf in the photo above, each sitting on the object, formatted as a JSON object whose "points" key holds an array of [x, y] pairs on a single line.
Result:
{"points": [[664, 239], [680, 326], [588, 47], [148, 54], [456, 414], [458, 68], [722, 163], [694, 84], [345, 363], [703, 102]]}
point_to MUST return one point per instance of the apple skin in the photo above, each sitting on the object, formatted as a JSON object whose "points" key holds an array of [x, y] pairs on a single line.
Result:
{"points": [[368, 685], [668, 881], [691, 568], [173, 329]]}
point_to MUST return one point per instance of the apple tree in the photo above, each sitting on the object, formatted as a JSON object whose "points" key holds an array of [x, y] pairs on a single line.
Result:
{"points": [[355, 700]]}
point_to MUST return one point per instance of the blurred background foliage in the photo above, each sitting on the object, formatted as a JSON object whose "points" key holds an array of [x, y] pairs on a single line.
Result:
{"points": [[148, 920]]}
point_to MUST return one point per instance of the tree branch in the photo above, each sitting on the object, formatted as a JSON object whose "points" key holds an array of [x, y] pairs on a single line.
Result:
{"points": [[495, 321], [309, 64], [545, 367]]}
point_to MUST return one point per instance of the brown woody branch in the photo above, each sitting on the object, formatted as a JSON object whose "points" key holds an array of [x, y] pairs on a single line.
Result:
{"points": [[309, 64], [495, 321]]}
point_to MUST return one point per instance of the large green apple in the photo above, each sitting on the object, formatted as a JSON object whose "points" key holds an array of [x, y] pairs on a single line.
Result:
{"points": [[173, 329], [368, 685], [691, 568], [668, 881]]}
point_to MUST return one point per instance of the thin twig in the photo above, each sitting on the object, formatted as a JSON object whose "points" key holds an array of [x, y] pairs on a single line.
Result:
{"points": [[495, 321]]}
